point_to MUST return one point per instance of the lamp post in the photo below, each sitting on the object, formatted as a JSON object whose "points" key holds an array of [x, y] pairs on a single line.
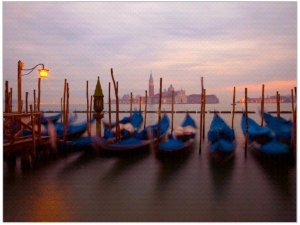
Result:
{"points": [[98, 106], [42, 72]]}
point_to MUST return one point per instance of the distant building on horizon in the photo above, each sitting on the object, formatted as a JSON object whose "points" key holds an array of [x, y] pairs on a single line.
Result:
{"points": [[166, 96], [196, 99], [271, 99], [179, 96]]}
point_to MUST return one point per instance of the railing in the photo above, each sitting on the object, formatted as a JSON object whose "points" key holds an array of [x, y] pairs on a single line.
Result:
{"points": [[15, 123]]}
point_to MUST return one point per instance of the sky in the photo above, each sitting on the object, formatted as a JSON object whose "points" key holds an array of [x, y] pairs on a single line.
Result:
{"points": [[229, 44]]}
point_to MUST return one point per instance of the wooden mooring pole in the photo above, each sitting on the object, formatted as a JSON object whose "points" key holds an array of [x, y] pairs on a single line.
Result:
{"points": [[6, 109], [61, 110], [294, 135], [109, 107], [201, 116], [293, 108], [159, 107], [26, 102], [172, 111], [34, 101], [233, 108], [130, 105], [87, 109], [246, 111], [262, 105], [278, 104], [32, 125], [146, 103], [67, 110], [90, 126], [140, 104], [39, 95], [204, 102], [64, 109], [10, 100], [118, 132]]}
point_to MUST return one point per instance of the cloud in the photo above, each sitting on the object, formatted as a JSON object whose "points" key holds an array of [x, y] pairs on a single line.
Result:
{"points": [[271, 87], [227, 43]]}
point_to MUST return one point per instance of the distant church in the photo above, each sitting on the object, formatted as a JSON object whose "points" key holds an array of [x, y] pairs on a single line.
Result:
{"points": [[179, 96]]}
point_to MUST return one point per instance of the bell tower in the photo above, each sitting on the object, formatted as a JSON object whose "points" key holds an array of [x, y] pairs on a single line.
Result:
{"points": [[151, 85]]}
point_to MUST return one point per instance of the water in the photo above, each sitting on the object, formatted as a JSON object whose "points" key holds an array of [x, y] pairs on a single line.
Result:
{"points": [[82, 186]]}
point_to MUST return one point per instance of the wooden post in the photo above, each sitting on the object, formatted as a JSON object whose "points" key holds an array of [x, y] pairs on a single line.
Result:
{"points": [[109, 106], [204, 102], [293, 108], [294, 137], [117, 111], [33, 130], [90, 126], [39, 108], [233, 108], [146, 102], [201, 115], [262, 105], [26, 102], [10, 100], [61, 110], [64, 109], [87, 109], [67, 111], [159, 107], [278, 104], [140, 104], [294, 128], [39, 94], [130, 105], [6, 98], [246, 109], [20, 66], [34, 101], [118, 133], [172, 111]]}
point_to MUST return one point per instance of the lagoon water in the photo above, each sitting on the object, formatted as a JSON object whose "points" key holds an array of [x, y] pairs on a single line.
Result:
{"points": [[82, 186]]}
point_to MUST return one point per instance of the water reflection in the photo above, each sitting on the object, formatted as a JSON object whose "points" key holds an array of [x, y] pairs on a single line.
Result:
{"points": [[280, 174], [221, 177], [168, 170], [84, 187], [80, 160], [122, 164]]}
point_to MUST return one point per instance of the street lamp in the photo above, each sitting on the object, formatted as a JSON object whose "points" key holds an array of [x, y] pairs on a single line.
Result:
{"points": [[98, 106], [42, 72]]}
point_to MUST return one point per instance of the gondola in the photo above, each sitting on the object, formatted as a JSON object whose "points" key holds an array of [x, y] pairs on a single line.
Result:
{"points": [[273, 153], [73, 130], [127, 125], [138, 143], [53, 119], [180, 142], [76, 144], [222, 141], [280, 126], [256, 133], [265, 146]]}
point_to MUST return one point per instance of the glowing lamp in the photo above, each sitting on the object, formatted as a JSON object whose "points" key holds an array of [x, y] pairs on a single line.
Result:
{"points": [[43, 73], [98, 98]]}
